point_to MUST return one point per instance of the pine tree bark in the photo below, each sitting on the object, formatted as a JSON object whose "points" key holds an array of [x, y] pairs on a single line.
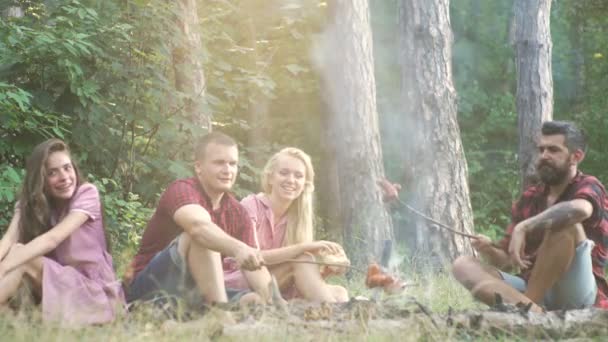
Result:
{"points": [[330, 207], [187, 65], [347, 68], [432, 146], [532, 40]]}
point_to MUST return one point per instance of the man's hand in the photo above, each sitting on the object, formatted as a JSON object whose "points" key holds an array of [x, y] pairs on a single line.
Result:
{"points": [[481, 243], [517, 247], [325, 247], [249, 258]]}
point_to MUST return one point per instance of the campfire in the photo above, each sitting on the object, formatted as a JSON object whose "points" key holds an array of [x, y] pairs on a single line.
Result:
{"points": [[377, 277]]}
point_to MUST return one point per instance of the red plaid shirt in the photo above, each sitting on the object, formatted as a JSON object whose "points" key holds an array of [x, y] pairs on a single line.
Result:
{"points": [[534, 201], [161, 230]]}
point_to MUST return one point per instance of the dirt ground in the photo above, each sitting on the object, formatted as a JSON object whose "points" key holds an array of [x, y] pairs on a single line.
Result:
{"points": [[404, 320]]}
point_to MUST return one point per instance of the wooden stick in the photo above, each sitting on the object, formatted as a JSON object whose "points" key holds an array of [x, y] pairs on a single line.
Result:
{"points": [[439, 224], [444, 226], [322, 263]]}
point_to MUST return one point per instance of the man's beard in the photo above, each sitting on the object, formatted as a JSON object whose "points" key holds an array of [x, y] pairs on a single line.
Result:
{"points": [[552, 174]]}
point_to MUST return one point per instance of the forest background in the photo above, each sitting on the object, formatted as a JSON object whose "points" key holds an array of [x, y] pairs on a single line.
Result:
{"points": [[100, 75]]}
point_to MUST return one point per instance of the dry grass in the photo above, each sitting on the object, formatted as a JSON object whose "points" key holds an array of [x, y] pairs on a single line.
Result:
{"points": [[390, 321], [437, 292]]}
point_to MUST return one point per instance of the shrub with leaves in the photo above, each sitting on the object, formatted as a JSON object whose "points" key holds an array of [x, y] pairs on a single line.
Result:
{"points": [[125, 219]]}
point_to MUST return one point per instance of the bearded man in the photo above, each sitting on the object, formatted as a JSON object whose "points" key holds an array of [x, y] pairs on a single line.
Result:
{"points": [[557, 238]]}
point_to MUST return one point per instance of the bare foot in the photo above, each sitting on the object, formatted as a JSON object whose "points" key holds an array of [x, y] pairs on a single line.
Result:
{"points": [[250, 298]]}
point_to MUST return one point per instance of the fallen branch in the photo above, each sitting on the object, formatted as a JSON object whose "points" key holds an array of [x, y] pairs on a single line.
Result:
{"points": [[368, 318], [554, 324]]}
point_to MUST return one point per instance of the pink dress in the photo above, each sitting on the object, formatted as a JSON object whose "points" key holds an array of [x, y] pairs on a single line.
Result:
{"points": [[269, 235], [78, 281]]}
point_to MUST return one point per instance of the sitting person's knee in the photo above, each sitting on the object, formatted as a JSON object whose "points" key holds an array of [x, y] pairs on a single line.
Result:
{"points": [[580, 233], [340, 293], [572, 235], [462, 266], [303, 261]]}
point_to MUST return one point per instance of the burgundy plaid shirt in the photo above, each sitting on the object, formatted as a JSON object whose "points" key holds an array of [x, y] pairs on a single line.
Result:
{"points": [[161, 230], [534, 201]]}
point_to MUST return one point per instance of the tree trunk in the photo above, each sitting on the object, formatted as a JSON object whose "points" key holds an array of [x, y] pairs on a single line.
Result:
{"points": [[259, 133], [347, 68], [534, 79], [329, 188], [431, 136], [187, 65]]}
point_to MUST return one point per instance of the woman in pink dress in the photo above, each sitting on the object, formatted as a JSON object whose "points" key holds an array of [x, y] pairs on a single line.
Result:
{"points": [[282, 215], [56, 242]]}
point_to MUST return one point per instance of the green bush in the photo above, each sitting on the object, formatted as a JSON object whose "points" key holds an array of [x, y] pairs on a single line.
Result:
{"points": [[10, 185], [125, 218]]}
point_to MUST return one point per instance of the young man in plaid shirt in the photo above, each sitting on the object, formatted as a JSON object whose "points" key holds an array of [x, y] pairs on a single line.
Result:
{"points": [[196, 224], [557, 237]]}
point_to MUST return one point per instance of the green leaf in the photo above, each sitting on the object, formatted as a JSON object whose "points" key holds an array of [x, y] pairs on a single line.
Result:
{"points": [[22, 100], [58, 132], [13, 175]]}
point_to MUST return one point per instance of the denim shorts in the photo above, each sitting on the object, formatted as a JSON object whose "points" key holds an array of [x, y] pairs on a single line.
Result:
{"points": [[576, 289], [167, 277]]}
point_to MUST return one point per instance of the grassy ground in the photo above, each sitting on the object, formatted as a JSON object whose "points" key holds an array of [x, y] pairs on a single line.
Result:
{"points": [[391, 320], [437, 292]]}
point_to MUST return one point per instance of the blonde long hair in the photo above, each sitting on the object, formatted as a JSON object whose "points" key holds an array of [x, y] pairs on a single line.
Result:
{"points": [[299, 213]]}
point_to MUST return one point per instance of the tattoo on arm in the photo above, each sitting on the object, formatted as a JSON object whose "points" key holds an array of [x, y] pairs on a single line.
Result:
{"points": [[557, 217]]}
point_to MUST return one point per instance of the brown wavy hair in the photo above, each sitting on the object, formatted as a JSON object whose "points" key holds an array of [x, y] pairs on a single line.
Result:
{"points": [[35, 205]]}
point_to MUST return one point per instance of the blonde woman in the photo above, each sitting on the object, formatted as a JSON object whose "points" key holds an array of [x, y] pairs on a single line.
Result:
{"points": [[282, 216]]}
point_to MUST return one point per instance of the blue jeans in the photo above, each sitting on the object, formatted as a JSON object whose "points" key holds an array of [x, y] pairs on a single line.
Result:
{"points": [[576, 289], [167, 277]]}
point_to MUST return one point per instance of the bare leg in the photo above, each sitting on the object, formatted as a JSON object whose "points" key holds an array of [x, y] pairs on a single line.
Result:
{"points": [[484, 282], [259, 282], [339, 292], [307, 279], [11, 282], [283, 273], [205, 266], [554, 258], [310, 283]]}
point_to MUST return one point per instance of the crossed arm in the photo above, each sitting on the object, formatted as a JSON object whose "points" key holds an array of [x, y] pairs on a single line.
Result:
{"points": [[197, 223], [563, 215], [560, 216], [11, 236], [39, 246]]}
